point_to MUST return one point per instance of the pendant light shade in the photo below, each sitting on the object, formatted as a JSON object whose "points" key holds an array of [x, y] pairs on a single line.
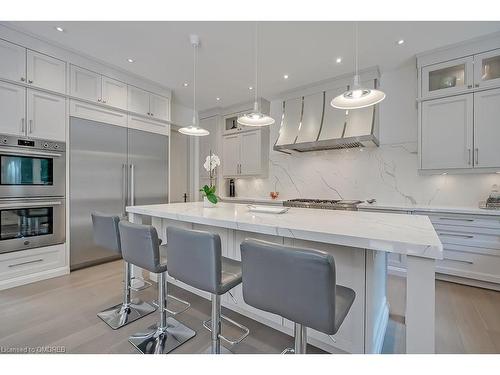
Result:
{"points": [[357, 96], [255, 118], [194, 129]]}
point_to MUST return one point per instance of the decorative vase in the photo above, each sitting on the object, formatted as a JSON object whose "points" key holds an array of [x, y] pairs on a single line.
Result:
{"points": [[207, 203]]}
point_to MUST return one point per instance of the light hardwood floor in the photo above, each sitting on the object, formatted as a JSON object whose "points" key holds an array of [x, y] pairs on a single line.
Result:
{"points": [[62, 312]]}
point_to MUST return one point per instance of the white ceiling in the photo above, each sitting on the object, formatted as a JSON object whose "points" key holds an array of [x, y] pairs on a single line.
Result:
{"points": [[306, 51]]}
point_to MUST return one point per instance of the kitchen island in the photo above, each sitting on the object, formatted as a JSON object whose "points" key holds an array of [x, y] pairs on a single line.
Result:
{"points": [[359, 242]]}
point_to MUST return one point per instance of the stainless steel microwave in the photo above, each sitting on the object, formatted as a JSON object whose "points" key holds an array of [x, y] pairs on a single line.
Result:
{"points": [[31, 222], [31, 168]]}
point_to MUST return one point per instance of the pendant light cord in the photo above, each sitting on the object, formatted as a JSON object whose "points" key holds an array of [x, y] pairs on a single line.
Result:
{"points": [[356, 47], [256, 59], [194, 84]]}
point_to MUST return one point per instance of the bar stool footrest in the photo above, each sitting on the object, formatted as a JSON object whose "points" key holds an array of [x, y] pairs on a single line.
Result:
{"points": [[171, 312], [245, 330], [288, 351]]}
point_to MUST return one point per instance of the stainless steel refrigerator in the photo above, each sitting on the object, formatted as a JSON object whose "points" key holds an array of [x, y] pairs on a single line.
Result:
{"points": [[110, 167]]}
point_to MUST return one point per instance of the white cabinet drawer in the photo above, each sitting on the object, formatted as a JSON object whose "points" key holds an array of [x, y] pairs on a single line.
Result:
{"points": [[480, 221], [21, 263], [470, 265], [454, 235]]}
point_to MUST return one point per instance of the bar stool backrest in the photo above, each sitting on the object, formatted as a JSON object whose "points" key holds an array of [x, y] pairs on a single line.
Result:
{"points": [[140, 246], [296, 283], [105, 231], [194, 257]]}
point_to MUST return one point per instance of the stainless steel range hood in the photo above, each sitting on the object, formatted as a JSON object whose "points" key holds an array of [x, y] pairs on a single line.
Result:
{"points": [[310, 123]]}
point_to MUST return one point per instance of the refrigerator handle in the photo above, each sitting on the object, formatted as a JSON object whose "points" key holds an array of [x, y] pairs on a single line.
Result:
{"points": [[124, 189], [132, 183]]}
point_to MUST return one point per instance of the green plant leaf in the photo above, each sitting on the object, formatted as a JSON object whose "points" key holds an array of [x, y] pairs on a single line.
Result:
{"points": [[212, 198]]}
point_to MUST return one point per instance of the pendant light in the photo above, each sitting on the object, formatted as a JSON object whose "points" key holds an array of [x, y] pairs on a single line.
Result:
{"points": [[358, 96], [194, 129], [255, 118]]}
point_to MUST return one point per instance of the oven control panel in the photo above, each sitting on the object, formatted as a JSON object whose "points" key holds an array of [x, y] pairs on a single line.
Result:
{"points": [[40, 144]]}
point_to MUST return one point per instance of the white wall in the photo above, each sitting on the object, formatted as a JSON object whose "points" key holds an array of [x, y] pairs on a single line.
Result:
{"points": [[387, 173]]}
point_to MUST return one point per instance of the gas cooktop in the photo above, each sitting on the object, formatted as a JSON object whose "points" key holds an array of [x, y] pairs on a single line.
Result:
{"points": [[328, 204]]}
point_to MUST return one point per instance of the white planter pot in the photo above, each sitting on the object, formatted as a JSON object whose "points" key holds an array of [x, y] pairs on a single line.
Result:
{"points": [[207, 203]]}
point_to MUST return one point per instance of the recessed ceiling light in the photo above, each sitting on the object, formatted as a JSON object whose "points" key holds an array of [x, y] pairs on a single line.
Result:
{"points": [[59, 28], [185, 84], [130, 60], [217, 98], [400, 41], [250, 88], [338, 60], [285, 76]]}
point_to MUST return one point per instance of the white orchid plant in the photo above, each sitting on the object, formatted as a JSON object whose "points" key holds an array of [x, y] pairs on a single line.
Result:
{"points": [[211, 163]]}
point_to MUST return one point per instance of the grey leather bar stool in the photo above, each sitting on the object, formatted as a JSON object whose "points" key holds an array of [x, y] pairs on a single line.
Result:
{"points": [[298, 284], [106, 235], [141, 247], [195, 258]]}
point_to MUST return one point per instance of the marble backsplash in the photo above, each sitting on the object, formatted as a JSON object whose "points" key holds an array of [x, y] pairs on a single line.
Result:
{"points": [[387, 173]]}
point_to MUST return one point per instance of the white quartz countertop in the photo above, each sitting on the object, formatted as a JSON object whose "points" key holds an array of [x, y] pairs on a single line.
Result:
{"points": [[394, 233]]}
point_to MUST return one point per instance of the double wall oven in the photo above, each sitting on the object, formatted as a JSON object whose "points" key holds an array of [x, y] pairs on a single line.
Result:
{"points": [[32, 193]]}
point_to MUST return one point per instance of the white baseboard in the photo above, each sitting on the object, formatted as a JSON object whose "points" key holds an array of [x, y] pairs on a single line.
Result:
{"points": [[28, 279]]}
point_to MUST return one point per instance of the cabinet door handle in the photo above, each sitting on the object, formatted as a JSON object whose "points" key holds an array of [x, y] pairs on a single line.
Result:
{"points": [[31, 126], [469, 151], [23, 263], [23, 79], [459, 260], [455, 219], [104, 101], [455, 235], [22, 125], [99, 99], [469, 86], [30, 81], [477, 156], [151, 114], [476, 85]]}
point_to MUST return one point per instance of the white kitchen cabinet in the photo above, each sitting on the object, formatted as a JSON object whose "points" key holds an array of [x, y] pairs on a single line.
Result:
{"points": [[46, 72], [12, 61], [148, 125], [85, 84], [114, 93], [97, 113], [12, 108], [447, 78], [446, 132], [250, 153], [147, 104], [487, 69], [244, 154], [487, 128], [138, 100], [46, 115], [230, 155], [158, 107]]}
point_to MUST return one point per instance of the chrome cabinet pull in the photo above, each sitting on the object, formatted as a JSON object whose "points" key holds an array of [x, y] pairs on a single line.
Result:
{"points": [[477, 156], [469, 86], [151, 114], [22, 125], [132, 183], [469, 156], [23, 79], [455, 235], [477, 84], [124, 189], [30, 81], [459, 260], [31, 126], [99, 99], [23, 263], [455, 219]]}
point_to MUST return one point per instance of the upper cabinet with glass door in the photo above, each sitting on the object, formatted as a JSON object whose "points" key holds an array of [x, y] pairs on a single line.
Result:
{"points": [[487, 69], [448, 78]]}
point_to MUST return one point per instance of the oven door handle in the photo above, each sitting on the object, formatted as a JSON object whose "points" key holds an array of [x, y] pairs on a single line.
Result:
{"points": [[32, 204], [9, 151]]}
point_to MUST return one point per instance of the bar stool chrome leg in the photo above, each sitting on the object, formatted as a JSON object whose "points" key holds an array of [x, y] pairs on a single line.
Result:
{"points": [[214, 326], [300, 333], [165, 336], [127, 311]]}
